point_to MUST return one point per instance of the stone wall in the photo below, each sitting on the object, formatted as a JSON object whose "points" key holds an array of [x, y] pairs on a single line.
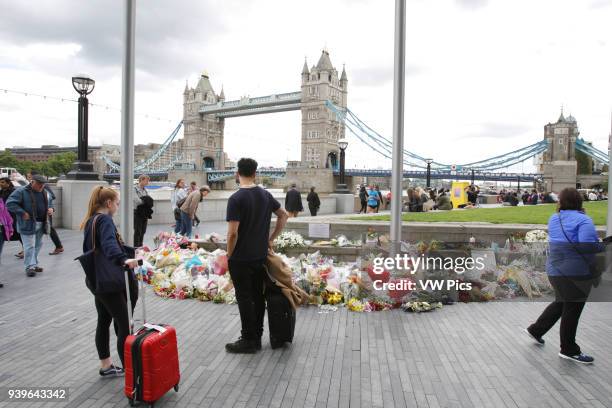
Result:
{"points": [[214, 209], [559, 175], [425, 231], [590, 180], [304, 178], [187, 175]]}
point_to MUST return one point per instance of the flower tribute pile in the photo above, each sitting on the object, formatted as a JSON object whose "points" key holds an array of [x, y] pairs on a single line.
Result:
{"points": [[179, 269]]}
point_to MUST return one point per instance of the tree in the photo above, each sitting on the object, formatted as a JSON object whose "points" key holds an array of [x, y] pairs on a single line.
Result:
{"points": [[8, 160], [585, 163], [56, 165], [60, 163]]}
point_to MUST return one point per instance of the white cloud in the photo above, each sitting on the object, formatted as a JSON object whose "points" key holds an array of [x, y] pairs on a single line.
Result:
{"points": [[493, 69]]}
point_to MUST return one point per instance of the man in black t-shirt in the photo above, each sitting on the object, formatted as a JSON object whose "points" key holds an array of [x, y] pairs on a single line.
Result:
{"points": [[249, 211]]}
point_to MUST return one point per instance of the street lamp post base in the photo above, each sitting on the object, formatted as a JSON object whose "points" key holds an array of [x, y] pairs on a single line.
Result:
{"points": [[342, 189], [82, 171]]}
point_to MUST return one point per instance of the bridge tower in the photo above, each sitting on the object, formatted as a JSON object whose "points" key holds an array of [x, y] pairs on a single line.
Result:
{"points": [[203, 134], [320, 128], [559, 161]]}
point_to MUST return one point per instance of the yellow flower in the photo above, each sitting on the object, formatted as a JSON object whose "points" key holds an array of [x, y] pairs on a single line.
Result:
{"points": [[355, 305], [334, 298]]}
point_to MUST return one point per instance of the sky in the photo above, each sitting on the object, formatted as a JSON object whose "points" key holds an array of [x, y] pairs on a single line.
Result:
{"points": [[483, 77]]}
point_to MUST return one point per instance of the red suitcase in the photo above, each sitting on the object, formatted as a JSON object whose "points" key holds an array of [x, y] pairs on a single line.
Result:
{"points": [[151, 361]]}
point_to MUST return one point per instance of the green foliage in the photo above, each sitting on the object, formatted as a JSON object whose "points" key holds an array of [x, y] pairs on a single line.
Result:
{"points": [[585, 163], [56, 165]]}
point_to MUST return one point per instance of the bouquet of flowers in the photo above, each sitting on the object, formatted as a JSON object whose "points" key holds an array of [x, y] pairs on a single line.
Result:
{"points": [[421, 306], [355, 305], [289, 239], [536, 236]]}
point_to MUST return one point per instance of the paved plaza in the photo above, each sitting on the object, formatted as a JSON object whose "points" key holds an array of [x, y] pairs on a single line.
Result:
{"points": [[464, 355]]}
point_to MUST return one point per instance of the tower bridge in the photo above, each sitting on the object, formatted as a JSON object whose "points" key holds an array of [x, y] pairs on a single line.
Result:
{"points": [[322, 100], [204, 114]]}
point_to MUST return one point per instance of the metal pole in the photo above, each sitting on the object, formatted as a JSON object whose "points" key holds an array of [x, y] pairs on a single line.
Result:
{"points": [[428, 174], [342, 164], [398, 126], [82, 103], [127, 123]]}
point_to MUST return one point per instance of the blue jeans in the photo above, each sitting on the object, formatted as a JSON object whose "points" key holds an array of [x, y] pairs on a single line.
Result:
{"points": [[31, 246], [186, 224], [179, 224]]}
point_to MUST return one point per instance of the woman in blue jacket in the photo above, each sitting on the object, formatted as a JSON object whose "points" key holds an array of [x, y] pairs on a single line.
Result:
{"points": [[573, 242], [103, 204]]}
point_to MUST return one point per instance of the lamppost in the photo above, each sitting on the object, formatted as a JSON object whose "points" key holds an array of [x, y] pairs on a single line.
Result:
{"points": [[82, 169], [472, 177], [428, 180], [341, 187]]}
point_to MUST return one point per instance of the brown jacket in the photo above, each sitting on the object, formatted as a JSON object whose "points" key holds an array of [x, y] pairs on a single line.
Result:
{"points": [[190, 206], [281, 275]]}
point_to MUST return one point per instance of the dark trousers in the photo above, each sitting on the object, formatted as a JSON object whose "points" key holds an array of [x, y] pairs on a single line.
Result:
{"points": [[53, 234], [55, 238], [570, 299], [140, 228], [313, 210], [112, 307], [364, 205], [248, 283]]}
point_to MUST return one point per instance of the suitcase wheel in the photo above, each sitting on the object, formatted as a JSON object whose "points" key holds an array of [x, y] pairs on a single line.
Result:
{"points": [[176, 388]]}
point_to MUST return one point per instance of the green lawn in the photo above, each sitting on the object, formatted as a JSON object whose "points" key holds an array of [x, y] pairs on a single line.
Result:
{"points": [[538, 214]]}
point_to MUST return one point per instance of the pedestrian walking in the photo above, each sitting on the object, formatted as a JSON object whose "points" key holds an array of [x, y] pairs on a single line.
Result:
{"points": [[380, 198], [293, 201], [189, 209], [314, 203], [31, 206], [59, 248], [143, 209], [573, 241], [6, 229], [373, 199], [6, 189], [111, 305], [249, 211], [177, 199], [363, 198], [193, 186]]}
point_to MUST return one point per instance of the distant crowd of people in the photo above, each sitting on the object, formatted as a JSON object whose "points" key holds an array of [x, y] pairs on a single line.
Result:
{"points": [[533, 197]]}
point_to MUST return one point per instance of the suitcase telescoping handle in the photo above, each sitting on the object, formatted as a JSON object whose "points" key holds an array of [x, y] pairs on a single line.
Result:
{"points": [[129, 298]]}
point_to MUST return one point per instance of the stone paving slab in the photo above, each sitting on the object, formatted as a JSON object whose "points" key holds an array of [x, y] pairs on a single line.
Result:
{"points": [[464, 355]]}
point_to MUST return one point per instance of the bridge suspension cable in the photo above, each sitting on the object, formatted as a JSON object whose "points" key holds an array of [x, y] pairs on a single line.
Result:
{"points": [[163, 159], [357, 126], [591, 151]]}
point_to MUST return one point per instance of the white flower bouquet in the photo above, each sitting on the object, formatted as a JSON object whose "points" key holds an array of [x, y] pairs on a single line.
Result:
{"points": [[289, 239]]}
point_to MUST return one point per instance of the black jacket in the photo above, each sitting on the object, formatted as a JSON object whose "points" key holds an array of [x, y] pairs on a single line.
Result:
{"points": [[145, 210], [293, 201], [313, 200], [363, 194]]}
